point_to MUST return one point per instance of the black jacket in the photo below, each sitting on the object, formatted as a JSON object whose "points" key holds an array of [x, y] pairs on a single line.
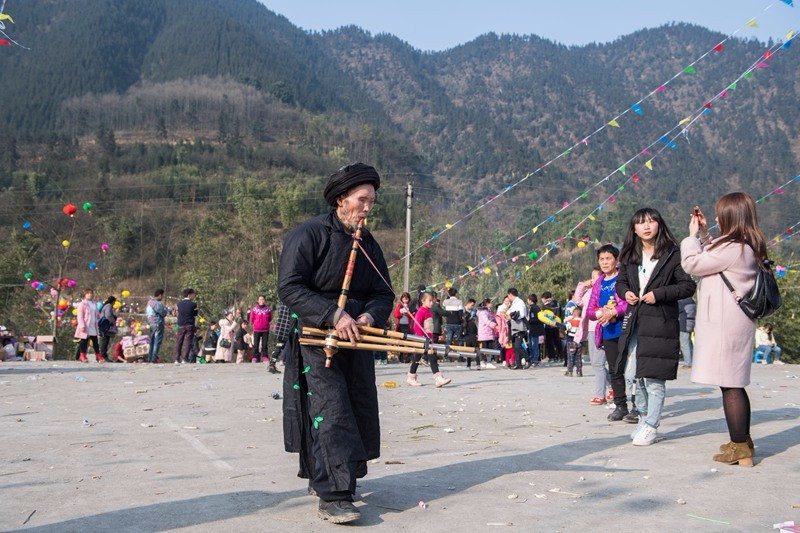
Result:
{"points": [[535, 326], [658, 348], [312, 268]]}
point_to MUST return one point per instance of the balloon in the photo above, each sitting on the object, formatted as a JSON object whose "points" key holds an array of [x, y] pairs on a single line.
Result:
{"points": [[117, 304], [448, 283], [40, 286], [99, 306], [126, 294], [92, 265], [202, 320], [53, 293], [74, 312], [65, 243], [71, 283], [35, 284], [487, 270], [104, 247], [87, 206], [70, 210], [74, 323], [26, 225], [581, 244]]}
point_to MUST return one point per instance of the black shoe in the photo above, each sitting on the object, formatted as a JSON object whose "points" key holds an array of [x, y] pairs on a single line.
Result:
{"points": [[632, 417], [338, 512], [528, 365], [618, 413], [273, 369]]}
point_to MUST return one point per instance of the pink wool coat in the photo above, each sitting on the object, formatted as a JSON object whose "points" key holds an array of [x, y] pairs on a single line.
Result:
{"points": [[723, 345], [86, 312]]}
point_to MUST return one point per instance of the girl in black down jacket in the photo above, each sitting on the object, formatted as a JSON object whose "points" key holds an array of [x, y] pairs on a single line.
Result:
{"points": [[652, 281]]}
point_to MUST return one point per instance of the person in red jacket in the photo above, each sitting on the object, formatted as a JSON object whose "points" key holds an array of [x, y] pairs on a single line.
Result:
{"points": [[260, 316]]}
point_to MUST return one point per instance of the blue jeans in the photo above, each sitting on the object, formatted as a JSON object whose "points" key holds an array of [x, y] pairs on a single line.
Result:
{"points": [[597, 356], [775, 350], [650, 394], [156, 336], [533, 349], [686, 347], [453, 330]]}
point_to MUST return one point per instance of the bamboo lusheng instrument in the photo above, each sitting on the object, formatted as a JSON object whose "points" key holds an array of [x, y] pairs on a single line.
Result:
{"points": [[310, 341], [393, 341], [331, 345]]}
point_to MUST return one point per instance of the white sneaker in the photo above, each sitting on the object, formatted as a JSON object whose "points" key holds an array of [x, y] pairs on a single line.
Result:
{"points": [[779, 362], [645, 436], [764, 362], [176, 363], [490, 365], [637, 430]]}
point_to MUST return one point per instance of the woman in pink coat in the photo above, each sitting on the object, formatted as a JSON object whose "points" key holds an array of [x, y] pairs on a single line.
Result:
{"points": [[723, 333], [86, 331]]}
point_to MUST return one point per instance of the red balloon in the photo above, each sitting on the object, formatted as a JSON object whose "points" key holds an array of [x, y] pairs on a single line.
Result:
{"points": [[69, 209]]}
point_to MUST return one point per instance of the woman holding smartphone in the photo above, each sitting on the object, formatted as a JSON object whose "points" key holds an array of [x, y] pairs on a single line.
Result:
{"points": [[723, 333]]}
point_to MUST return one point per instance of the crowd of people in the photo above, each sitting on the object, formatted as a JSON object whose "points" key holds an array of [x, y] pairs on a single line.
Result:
{"points": [[245, 335]]}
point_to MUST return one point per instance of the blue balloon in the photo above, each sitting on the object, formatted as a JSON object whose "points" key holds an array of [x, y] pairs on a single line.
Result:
{"points": [[99, 306], [92, 265], [26, 225], [781, 273]]}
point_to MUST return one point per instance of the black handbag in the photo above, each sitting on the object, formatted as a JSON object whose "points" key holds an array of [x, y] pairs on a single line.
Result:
{"points": [[764, 299]]}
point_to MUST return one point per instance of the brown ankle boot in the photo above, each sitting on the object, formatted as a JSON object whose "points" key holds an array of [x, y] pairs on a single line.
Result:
{"points": [[736, 452], [750, 445]]}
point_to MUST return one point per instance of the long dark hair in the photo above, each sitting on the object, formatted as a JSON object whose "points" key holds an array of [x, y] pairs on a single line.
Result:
{"points": [[631, 253], [738, 222]]}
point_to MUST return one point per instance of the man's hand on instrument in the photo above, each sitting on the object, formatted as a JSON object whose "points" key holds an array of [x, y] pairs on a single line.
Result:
{"points": [[347, 328]]}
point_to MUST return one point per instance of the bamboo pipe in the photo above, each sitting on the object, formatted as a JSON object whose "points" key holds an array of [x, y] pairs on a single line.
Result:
{"points": [[368, 347], [392, 345], [331, 345], [393, 335]]}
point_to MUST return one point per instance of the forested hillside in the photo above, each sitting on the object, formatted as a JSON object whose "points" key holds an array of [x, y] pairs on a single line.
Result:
{"points": [[200, 130]]}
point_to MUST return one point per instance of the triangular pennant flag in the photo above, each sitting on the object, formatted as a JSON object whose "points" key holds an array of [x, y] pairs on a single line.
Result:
{"points": [[536, 229], [649, 164], [646, 152], [661, 89], [614, 123], [6, 16], [664, 139], [724, 94], [689, 70], [448, 226], [732, 86], [684, 121], [566, 152], [790, 35], [673, 145], [789, 3], [706, 111], [768, 55], [747, 75], [591, 217], [707, 105], [5, 42], [787, 44], [761, 64], [636, 178], [718, 48], [752, 23], [637, 109], [622, 169]]}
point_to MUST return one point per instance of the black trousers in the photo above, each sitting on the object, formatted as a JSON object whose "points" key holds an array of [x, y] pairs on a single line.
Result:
{"points": [[616, 368], [83, 346], [104, 345], [322, 483], [260, 343], [519, 352], [552, 344]]}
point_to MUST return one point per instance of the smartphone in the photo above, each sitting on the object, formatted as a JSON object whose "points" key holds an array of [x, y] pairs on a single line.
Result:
{"points": [[696, 211]]}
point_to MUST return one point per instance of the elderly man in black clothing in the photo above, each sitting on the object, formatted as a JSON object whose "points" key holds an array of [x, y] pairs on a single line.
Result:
{"points": [[331, 414]]}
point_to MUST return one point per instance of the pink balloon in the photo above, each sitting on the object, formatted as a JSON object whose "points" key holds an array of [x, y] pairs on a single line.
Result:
{"points": [[71, 283], [104, 247], [35, 284], [53, 292]]}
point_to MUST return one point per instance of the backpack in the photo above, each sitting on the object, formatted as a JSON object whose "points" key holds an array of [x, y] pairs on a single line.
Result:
{"points": [[104, 324], [764, 298]]}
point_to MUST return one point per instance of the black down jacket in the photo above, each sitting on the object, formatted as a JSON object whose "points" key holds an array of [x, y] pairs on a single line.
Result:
{"points": [[658, 348]]}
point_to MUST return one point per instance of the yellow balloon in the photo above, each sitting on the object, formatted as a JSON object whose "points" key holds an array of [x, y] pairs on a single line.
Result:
{"points": [[65, 243], [202, 320], [487, 270], [74, 312], [581, 244], [117, 304], [126, 294], [448, 283]]}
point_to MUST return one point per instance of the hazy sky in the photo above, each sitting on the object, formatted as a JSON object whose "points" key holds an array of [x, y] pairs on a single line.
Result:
{"points": [[442, 24]]}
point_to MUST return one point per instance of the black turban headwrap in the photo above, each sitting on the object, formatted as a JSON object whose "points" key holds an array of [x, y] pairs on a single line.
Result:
{"points": [[348, 177]]}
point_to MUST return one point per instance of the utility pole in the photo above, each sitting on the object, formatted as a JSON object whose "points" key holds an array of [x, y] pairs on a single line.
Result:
{"points": [[409, 195]]}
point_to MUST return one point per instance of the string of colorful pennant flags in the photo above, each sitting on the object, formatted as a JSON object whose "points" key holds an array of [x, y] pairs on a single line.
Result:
{"points": [[666, 142], [613, 123], [7, 41]]}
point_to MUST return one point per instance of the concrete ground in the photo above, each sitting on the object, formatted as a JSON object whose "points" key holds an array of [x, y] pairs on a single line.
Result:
{"points": [[199, 448]]}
